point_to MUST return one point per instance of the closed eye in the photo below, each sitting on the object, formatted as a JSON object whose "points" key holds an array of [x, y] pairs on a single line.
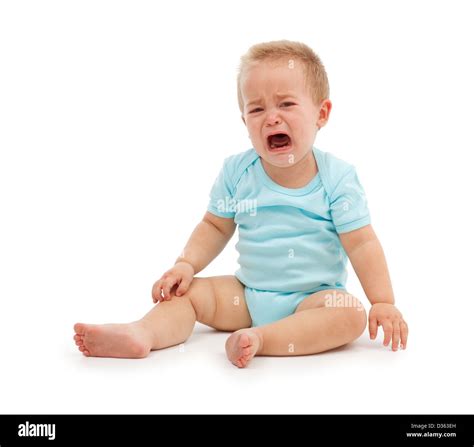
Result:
{"points": [[288, 104], [258, 109]]}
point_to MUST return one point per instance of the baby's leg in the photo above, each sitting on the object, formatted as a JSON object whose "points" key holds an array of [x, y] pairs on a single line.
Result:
{"points": [[314, 327], [215, 301]]}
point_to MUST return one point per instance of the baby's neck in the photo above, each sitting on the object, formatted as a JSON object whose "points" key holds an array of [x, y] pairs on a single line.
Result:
{"points": [[295, 176]]}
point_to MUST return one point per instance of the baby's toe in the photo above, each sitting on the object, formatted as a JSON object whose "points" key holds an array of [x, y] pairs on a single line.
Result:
{"points": [[80, 328], [244, 341]]}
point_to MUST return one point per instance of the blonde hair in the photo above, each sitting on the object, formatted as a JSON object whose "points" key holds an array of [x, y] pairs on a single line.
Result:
{"points": [[315, 73]]}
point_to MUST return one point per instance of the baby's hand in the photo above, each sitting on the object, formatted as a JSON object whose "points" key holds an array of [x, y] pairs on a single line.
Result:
{"points": [[394, 327], [181, 274]]}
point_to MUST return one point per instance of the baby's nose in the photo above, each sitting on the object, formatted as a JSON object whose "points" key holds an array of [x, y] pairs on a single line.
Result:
{"points": [[273, 119]]}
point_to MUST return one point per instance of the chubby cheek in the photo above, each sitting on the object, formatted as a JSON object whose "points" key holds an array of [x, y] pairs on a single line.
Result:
{"points": [[303, 139], [297, 129], [255, 135]]}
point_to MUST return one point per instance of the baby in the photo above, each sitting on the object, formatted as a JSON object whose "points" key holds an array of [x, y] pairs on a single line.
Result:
{"points": [[300, 211]]}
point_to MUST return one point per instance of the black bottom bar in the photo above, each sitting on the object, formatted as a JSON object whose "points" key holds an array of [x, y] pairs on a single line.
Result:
{"points": [[377, 430]]}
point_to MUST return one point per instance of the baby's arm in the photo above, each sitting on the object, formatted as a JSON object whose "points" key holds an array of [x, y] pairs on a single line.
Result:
{"points": [[367, 257], [207, 240]]}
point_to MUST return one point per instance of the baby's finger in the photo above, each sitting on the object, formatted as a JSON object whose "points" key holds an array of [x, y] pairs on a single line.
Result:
{"points": [[404, 333], [167, 286], [156, 291], [388, 330], [373, 328], [396, 335], [160, 291], [183, 287]]}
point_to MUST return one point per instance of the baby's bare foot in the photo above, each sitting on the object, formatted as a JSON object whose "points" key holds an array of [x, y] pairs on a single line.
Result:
{"points": [[242, 346], [112, 340]]}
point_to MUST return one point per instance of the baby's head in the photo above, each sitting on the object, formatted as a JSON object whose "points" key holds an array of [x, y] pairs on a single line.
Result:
{"points": [[283, 90]]}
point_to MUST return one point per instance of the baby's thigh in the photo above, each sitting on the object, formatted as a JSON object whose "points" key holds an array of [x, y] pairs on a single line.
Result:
{"points": [[219, 302]]}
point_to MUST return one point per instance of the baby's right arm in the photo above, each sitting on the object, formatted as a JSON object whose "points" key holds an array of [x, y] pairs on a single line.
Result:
{"points": [[207, 240]]}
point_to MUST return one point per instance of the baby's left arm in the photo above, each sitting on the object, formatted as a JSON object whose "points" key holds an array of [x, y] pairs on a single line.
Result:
{"points": [[367, 257]]}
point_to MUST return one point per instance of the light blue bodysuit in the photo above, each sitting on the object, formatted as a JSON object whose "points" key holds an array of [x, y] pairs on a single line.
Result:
{"points": [[288, 238]]}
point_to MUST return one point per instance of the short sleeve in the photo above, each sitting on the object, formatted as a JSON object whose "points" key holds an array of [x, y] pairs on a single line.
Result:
{"points": [[348, 203], [221, 195]]}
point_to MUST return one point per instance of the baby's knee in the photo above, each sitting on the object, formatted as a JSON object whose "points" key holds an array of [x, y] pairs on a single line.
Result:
{"points": [[358, 318], [198, 295]]}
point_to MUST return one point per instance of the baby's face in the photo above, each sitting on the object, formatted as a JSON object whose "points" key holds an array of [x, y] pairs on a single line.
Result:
{"points": [[279, 112]]}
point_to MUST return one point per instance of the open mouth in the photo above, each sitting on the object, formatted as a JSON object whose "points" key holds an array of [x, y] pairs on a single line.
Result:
{"points": [[278, 142]]}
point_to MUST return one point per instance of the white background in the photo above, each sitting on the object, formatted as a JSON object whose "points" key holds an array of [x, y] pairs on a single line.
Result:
{"points": [[115, 117]]}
